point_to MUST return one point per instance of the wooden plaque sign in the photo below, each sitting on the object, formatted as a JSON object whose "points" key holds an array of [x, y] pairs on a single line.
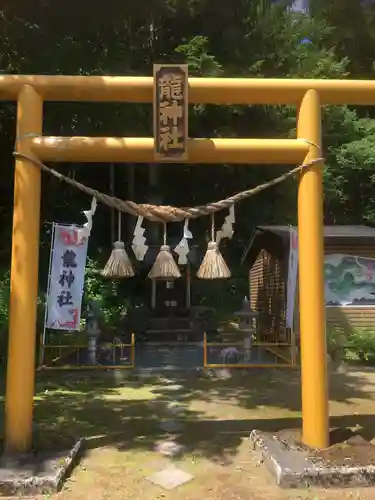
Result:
{"points": [[171, 112]]}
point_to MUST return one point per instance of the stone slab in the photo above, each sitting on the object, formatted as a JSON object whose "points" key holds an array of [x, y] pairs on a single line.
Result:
{"points": [[170, 478], [173, 387], [170, 449], [292, 468], [37, 474], [175, 408], [171, 426]]}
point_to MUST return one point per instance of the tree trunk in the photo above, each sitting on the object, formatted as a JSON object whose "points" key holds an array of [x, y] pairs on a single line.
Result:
{"points": [[154, 198], [131, 197]]}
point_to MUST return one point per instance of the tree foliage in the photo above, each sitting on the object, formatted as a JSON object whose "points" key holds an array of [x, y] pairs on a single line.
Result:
{"points": [[251, 38]]}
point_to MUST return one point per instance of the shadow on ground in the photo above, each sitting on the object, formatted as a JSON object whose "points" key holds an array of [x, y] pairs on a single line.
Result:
{"points": [[126, 413]]}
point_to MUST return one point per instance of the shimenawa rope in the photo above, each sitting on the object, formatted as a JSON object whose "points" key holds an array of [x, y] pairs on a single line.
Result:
{"points": [[167, 213]]}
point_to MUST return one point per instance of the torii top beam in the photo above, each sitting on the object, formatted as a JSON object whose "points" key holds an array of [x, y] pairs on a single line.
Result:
{"points": [[201, 90]]}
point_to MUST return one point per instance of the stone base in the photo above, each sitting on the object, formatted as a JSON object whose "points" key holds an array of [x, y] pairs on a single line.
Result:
{"points": [[37, 474], [292, 467]]}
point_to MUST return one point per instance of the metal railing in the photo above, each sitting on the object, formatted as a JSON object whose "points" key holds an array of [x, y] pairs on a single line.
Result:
{"points": [[66, 350], [273, 348], [283, 352]]}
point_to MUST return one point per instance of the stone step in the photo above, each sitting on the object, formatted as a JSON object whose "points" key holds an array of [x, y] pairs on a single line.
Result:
{"points": [[170, 323], [171, 330], [168, 336], [179, 357], [170, 345]]}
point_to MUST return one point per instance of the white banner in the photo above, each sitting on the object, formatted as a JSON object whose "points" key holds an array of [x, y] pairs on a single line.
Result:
{"points": [[67, 275], [292, 277]]}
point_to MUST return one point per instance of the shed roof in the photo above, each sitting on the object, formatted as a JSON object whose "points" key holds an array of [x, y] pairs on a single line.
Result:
{"points": [[330, 232]]}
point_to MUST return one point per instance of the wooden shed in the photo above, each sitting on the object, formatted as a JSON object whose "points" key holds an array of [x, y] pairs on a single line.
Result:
{"points": [[349, 278]]}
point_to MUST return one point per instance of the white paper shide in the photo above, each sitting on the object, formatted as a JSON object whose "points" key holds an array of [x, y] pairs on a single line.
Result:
{"points": [[139, 241], [182, 249], [67, 274], [227, 230]]}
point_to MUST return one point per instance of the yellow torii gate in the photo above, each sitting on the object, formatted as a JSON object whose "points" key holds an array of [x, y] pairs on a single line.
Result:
{"points": [[308, 95]]}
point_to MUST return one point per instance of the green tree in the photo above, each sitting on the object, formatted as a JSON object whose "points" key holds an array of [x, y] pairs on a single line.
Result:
{"points": [[256, 38]]}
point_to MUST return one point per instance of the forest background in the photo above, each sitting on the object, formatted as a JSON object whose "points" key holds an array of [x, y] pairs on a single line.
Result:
{"points": [[243, 38]]}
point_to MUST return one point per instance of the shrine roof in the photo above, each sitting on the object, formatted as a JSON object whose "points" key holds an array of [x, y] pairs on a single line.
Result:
{"points": [[334, 232]]}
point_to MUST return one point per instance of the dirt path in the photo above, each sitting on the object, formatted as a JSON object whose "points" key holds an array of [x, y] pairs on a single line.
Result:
{"points": [[122, 421]]}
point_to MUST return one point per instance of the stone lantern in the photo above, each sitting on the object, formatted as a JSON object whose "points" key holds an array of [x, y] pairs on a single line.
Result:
{"points": [[247, 317], [92, 316]]}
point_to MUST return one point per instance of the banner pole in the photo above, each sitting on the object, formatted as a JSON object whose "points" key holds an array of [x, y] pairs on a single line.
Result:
{"points": [[42, 350]]}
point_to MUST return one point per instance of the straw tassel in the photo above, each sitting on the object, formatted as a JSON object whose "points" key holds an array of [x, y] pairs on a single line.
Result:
{"points": [[119, 264], [213, 266], [165, 267]]}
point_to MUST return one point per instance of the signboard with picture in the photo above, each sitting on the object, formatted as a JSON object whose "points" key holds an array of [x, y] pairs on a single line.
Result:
{"points": [[349, 280]]}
